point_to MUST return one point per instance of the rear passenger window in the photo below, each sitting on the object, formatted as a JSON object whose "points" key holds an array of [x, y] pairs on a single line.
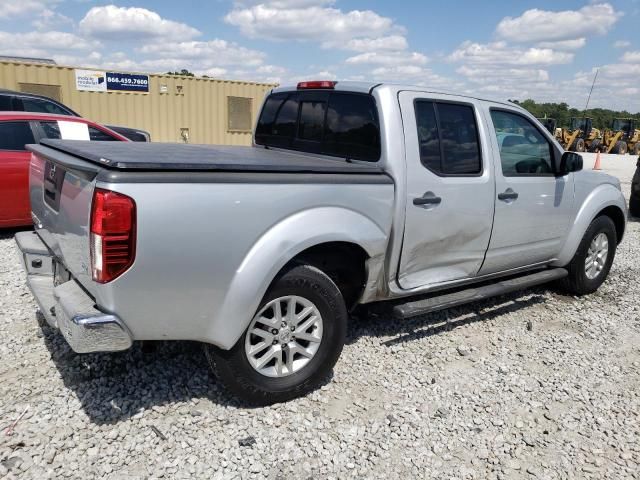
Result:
{"points": [[345, 125], [448, 138], [15, 135]]}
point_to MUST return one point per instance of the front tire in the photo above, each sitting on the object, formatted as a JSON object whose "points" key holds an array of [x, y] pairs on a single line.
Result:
{"points": [[291, 344], [593, 258], [634, 206], [620, 148]]}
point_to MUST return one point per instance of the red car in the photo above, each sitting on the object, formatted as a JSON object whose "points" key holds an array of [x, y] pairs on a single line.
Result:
{"points": [[20, 128]]}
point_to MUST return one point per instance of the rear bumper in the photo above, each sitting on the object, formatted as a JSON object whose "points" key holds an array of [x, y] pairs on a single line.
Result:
{"points": [[67, 306]]}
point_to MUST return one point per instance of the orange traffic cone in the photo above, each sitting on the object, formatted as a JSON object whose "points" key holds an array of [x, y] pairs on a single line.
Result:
{"points": [[597, 164]]}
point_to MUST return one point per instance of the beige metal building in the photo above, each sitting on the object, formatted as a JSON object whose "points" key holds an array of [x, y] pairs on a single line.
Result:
{"points": [[173, 108]]}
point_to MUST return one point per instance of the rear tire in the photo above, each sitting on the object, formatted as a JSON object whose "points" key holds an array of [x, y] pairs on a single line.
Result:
{"points": [[579, 145], [592, 261], [287, 375], [596, 146], [620, 148], [636, 149]]}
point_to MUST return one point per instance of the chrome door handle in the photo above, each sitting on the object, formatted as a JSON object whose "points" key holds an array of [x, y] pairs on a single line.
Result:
{"points": [[508, 194]]}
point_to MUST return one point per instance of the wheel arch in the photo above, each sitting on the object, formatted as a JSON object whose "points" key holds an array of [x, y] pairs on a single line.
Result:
{"points": [[603, 200], [618, 216], [303, 237]]}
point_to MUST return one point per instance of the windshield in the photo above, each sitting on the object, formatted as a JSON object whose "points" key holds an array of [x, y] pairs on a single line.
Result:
{"points": [[621, 124], [578, 123]]}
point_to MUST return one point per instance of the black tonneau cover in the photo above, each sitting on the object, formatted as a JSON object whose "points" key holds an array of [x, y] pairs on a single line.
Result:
{"points": [[134, 156]]}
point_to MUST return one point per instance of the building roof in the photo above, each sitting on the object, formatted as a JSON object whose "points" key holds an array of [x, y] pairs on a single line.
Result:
{"points": [[10, 58]]}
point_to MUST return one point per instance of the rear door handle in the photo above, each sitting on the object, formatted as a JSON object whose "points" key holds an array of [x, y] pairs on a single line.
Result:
{"points": [[508, 194], [428, 198]]}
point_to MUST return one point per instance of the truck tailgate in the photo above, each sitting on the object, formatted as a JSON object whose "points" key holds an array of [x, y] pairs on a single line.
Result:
{"points": [[61, 191]]}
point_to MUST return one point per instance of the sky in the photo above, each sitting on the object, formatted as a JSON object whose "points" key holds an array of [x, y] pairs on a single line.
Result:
{"points": [[545, 50]]}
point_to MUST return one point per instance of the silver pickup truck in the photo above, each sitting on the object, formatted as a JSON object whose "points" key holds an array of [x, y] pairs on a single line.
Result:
{"points": [[352, 194]]}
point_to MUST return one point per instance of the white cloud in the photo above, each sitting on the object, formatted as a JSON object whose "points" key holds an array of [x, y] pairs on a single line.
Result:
{"points": [[18, 8], [387, 43], [543, 25], [614, 87], [622, 44], [120, 23], [631, 57], [575, 44], [283, 3], [45, 44], [412, 74], [314, 22], [388, 59], [499, 53], [49, 19], [271, 70], [213, 52], [503, 75], [214, 72]]}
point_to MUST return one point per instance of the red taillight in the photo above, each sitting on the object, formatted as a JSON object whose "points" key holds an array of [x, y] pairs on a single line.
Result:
{"points": [[113, 234], [322, 84]]}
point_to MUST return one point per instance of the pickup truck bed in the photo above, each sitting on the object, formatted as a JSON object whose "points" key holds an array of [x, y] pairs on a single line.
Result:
{"points": [[164, 157]]}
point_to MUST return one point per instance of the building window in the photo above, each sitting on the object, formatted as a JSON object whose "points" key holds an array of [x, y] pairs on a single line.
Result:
{"points": [[239, 114]]}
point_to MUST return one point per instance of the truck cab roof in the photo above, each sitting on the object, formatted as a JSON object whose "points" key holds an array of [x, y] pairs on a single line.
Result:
{"points": [[368, 87]]}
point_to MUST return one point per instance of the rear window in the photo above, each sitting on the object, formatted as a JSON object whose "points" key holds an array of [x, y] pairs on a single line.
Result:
{"points": [[15, 135], [52, 130], [448, 138], [335, 123], [5, 103], [40, 105]]}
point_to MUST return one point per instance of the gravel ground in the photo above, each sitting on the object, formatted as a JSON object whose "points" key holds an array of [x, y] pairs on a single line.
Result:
{"points": [[530, 385]]}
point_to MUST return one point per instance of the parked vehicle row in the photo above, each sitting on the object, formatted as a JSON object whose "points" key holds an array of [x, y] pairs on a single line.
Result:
{"points": [[352, 194], [18, 129], [623, 137], [30, 102]]}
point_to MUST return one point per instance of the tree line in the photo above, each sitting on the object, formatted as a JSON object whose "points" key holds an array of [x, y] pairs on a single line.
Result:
{"points": [[602, 117]]}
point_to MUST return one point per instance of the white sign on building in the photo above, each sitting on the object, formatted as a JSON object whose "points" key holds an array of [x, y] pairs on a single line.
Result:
{"points": [[91, 80]]}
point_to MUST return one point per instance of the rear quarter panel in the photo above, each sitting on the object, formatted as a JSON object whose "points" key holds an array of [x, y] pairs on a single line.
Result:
{"points": [[206, 253]]}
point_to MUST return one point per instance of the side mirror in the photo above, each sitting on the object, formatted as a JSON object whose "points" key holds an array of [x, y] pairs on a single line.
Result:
{"points": [[570, 162]]}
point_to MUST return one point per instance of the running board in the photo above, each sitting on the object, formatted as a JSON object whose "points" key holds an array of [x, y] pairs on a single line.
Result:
{"points": [[442, 302]]}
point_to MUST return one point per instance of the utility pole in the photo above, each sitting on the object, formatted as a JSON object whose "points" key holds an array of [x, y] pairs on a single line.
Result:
{"points": [[591, 91]]}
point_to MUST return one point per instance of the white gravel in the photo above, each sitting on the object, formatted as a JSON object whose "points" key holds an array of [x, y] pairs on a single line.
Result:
{"points": [[531, 385]]}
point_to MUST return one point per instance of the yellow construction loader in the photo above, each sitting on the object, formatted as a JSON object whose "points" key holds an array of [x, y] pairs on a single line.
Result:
{"points": [[581, 136], [549, 123], [623, 137]]}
